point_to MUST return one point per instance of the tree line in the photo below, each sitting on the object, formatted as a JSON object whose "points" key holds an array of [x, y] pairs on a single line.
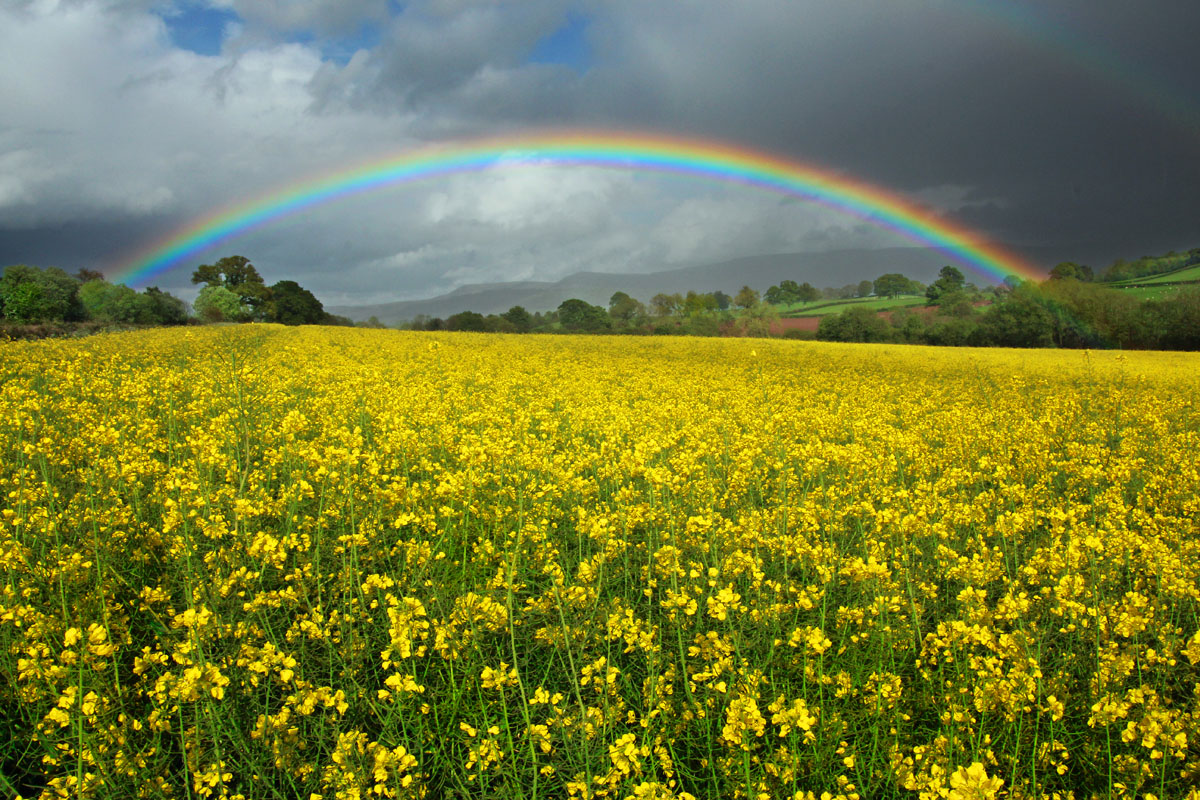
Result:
{"points": [[1071, 309], [691, 313], [233, 291]]}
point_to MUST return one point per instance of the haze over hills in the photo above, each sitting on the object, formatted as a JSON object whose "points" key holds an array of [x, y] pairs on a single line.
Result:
{"points": [[834, 268]]}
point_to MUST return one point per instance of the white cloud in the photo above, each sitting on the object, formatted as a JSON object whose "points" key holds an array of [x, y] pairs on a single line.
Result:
{"points": [[331, 17]]}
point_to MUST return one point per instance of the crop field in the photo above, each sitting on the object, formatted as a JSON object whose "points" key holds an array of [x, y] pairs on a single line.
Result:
{"points": [[317, 563]]}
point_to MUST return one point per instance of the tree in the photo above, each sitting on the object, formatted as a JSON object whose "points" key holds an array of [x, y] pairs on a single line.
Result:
{"points": [[292, 304], [519, 318], [578, 315], [165, 308], [466, 321], [893, 284], [757, 320], [746, 298], [695, 303], [218, 304], [908, 326], [1069, 269], [723, 300], [665, 305], [106, 302], [864, 289], [29, 294], [855, 324], [950, 282], [1021, 320], [237, 274], [623, 307], [84, 275], [806, 292]]}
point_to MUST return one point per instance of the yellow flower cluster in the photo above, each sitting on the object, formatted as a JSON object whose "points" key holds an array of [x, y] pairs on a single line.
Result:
{"points": [[331, 563]]}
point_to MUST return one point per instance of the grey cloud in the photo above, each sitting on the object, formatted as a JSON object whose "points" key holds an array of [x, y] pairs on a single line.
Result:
{"points": [[1039, 141]]}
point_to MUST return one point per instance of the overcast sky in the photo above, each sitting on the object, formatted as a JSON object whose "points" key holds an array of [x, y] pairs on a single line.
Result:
{"points": [[1070, 124]]}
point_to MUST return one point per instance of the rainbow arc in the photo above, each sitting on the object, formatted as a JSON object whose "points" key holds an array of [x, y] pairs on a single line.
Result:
{"points": [[697, 158]]}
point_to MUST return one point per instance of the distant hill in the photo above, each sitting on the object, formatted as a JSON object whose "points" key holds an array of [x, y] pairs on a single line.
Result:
{"points": [[835, 268]]}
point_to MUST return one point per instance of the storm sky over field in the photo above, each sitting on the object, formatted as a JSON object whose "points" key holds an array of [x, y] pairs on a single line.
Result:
{"points": [[1062, 124]]}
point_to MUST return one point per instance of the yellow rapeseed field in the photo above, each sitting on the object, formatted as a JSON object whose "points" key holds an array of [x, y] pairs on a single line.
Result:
{"points": [[328, 563]]}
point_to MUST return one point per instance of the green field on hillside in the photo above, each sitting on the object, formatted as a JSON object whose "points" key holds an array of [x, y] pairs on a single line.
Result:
{"points": [[1158, 292], [1185, 275], [838, 306], [1191, 273]]}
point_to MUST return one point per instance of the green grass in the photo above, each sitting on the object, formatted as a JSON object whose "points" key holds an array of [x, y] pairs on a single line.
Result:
{"points": [[1150, 292], [1191, 273], [838, 306], [1185, 275]]}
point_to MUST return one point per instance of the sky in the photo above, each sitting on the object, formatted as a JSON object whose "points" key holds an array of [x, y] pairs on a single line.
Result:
{"points": [[1064, 127]]}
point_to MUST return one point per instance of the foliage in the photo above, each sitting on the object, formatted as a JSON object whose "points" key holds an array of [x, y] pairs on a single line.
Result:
{"points": [[578, 315], [757, 320], [1070, 270], [237, 274], [218, 304], [623, 307], [948, 286], [279, 562], [29, 294], [855, 324], [1022, 320], [106, 302], [466, 321], [292, 304], [746, 298], [164, 308], [665, 305], [1146, 266], [893, 284], [519, 318]]}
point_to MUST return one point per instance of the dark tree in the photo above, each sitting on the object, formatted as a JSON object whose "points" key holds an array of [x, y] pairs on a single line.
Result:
{"points": [[892, 284], [623, 307], [949, 283], [467, 321], [292, 304], [164, 308], [806, 292], [1021, 320], [519, 318], [855, 324], [578, 315]]}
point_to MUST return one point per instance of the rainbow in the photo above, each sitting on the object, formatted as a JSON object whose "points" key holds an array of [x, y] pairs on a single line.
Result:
{"points": [[616, 150]]}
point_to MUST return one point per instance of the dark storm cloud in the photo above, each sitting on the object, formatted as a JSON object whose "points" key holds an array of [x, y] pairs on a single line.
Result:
{"points": [[1051, 126]]}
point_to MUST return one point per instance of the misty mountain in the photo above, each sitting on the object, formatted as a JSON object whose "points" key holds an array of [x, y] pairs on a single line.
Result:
{"points": [[835, 268]]}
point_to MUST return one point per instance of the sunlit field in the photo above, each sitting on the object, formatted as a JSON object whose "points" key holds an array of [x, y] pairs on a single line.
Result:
{"points": [[334, 563]]}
